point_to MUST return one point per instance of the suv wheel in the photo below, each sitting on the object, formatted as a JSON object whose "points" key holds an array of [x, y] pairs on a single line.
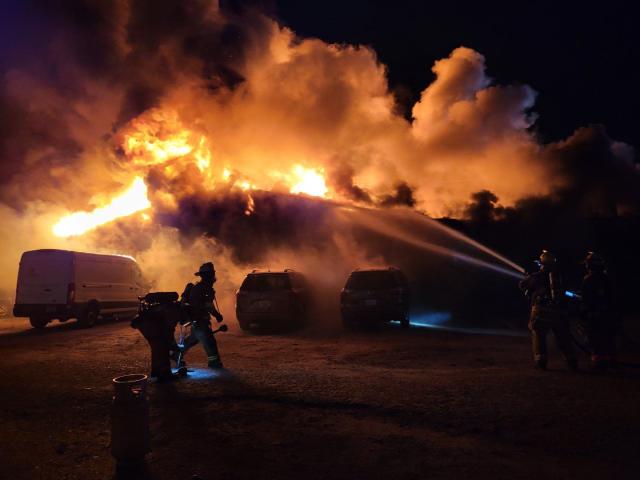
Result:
{"points": [[88, 316], [38, 322]]}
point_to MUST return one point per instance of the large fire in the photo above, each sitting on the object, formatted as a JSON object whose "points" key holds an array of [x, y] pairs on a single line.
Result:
{"points": [[310, 182], [161, 142], [133, 200]]}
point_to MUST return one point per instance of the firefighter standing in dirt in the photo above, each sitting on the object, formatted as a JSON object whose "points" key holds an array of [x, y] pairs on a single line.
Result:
{"points": [[546, 291], [200, 303], [598, 313]]}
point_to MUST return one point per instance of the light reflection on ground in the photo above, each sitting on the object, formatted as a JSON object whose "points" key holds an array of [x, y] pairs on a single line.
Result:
{"points": [[438, 321], [203, 373]]}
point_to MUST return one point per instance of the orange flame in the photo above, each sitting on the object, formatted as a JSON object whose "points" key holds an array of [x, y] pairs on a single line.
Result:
{"points": [[309, 181], [159, 139], [133, 200]]}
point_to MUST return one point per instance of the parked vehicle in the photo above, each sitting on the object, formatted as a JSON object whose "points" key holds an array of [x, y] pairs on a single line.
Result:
{"points": [[60, 284], [375, 296], [272, 300]]}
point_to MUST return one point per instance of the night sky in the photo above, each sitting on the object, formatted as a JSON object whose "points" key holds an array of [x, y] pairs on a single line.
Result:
{"points": [[582, 58]]}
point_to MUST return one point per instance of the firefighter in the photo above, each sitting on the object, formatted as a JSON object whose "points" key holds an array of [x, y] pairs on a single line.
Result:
{"points": [[597, 312], [157, 318], [200, 307], [546, 292]]}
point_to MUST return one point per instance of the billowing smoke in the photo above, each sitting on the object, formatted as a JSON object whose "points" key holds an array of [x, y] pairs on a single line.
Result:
{"points": [[227, 116]]}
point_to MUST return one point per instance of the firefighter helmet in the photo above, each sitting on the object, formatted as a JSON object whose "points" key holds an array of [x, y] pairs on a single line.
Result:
{"points": [[547, 258], [206, 268], [594, 261]]}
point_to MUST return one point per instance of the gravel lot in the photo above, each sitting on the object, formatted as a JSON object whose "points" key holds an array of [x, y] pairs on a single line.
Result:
{"points": [[380, 404]]}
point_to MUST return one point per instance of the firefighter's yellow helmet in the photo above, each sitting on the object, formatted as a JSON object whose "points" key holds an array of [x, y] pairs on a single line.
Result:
{"points": [[547, 258]]}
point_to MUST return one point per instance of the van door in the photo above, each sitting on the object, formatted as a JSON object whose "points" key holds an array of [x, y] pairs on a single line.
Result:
{"points": [[92, 279], [123, 285], [44, 277]]}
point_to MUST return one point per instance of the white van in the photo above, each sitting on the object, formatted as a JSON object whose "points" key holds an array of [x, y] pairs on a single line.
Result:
{"points": [[63, 284]]}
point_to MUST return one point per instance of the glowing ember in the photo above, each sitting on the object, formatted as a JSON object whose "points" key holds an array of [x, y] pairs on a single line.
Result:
{"points": [[133, 200], [251, 206], [309, 181], [203, 156], [245, 185]]}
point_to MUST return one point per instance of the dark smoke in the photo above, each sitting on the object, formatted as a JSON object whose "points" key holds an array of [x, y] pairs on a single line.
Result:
{"points": [[596, 208], [484, 207], [403, 196], [279, 221], [341, 178]]}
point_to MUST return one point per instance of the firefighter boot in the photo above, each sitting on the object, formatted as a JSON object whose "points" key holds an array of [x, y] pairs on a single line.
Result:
{"points": [[540, 362], [215, 363]]}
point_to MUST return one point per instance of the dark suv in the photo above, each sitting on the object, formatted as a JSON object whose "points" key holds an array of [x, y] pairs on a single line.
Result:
{"points": [[375, 296], [272, 300]]}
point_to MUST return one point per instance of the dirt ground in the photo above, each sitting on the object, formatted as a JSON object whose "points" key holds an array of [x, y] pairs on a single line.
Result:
{"points": [[381, 404]]}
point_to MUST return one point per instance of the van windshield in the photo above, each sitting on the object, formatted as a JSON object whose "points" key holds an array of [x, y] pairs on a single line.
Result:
{"points": [[266, 282], [378, 280]]}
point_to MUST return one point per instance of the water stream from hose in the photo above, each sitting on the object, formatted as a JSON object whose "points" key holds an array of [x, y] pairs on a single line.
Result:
{"points": [[392, 223]]}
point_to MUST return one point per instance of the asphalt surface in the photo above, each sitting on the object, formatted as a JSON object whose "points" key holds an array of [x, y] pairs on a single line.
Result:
{"points": [[382, 404]]}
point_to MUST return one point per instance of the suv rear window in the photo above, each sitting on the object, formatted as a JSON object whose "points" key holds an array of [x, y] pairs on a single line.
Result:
{"points": [[378, 280], [266, 282]]}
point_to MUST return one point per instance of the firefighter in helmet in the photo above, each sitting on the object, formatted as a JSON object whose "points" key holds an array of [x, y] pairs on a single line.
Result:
{"points": [[598, 312], [545, 289], [201, 305]]}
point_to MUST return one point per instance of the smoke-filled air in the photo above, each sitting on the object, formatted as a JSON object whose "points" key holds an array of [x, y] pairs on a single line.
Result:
{"points": [[200, 133]]}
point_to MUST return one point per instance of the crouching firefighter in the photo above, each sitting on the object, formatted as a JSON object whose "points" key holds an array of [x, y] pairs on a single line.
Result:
{"points": [[546, 292], [598, 312], [157, 317], [199, 302]]}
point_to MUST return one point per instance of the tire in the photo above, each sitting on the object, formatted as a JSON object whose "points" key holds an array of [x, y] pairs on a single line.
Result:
{"points": [[38, 322], [88, 316]]}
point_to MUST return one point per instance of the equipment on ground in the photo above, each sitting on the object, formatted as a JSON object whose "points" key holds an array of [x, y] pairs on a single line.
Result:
{"points": [[130, 436]]}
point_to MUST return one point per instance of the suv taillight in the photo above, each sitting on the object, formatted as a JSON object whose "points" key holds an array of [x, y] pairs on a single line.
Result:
{"points": [[71, 293]]}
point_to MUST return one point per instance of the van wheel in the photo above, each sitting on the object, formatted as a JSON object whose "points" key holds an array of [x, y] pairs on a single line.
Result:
{"points": [[38, 322], [89, 316]]}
